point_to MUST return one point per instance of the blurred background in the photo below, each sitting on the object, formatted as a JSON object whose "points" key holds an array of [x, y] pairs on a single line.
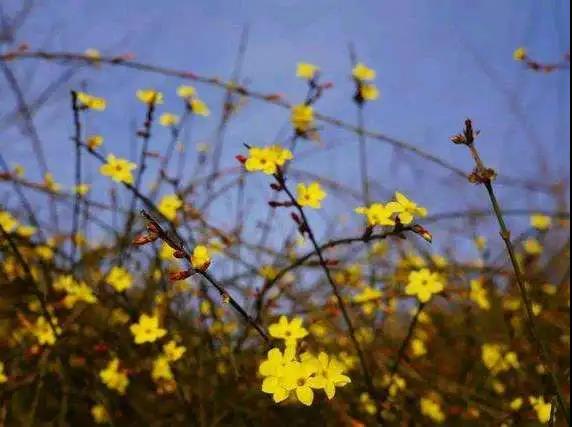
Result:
{"points": [[436, 65]]}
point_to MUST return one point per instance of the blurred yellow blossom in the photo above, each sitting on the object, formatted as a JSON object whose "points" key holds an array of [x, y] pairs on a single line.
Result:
{"points": [[147, 329], [3, 377], [186, 91], [432, 409], [532, 246], [306, 71], [99, 414], [200, 258], [199, 108], [94, 141], [497, 359], [542, 408], [302, 117], [161, 369], [363, 73], [149, 96], [114, 377], [91, 102], [168, 119], [173, 351], [119, 279], [168, 206], [519, 54], [479, 294], [541, 222], [50, 183]]}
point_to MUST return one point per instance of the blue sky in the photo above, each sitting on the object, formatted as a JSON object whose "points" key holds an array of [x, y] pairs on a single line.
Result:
{"points": [[437, 63]]}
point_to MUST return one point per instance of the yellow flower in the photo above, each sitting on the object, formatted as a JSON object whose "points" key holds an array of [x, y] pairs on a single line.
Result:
{"points": [[91, 102], [26, 230], [480, 295], [269, 272], [50, 183], [424, 284], [300, 378], [369, 92], [432, 410], [19, 170], [99, 414], [367, 404], [542, 408], [410, 209], [147, 329], [94, 141], [186, 91], [78, 291], [306, 71], [44, 332], [368, 298], [150, 96], [363, 73], [532, 247], [519, 54], [82, 189], [173, 351], [395, 384], [200, 258], [289, 331], [418, 347], [302, 117], [379, 214], [199, 108], [273, 370], [3, 377], [310, 195], [331, 374], [113, 377], [7, 221], [497, 359], [481, 243], [93, 54], [119, 279], [161, 369], [541, 222], [168, 119], [516, 404], [169, 205], [266, 159], [118, 169], [279, 155], [118, 317]]}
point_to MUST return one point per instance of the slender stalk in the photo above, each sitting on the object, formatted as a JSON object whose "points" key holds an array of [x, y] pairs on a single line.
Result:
{"points": [[77, 200], [335, 290], [484, 175]]}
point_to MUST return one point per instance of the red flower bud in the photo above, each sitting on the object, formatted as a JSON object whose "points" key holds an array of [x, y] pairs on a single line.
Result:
{"points": [[175, 276], [241, 158]]}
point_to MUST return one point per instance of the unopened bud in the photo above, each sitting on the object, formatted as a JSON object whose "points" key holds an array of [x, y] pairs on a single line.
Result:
{"points": [[175, 276]]}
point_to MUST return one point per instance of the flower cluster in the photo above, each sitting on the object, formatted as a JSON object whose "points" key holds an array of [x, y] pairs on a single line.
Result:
{"points": [[366, 90], [286, 374], [401, 210]]}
